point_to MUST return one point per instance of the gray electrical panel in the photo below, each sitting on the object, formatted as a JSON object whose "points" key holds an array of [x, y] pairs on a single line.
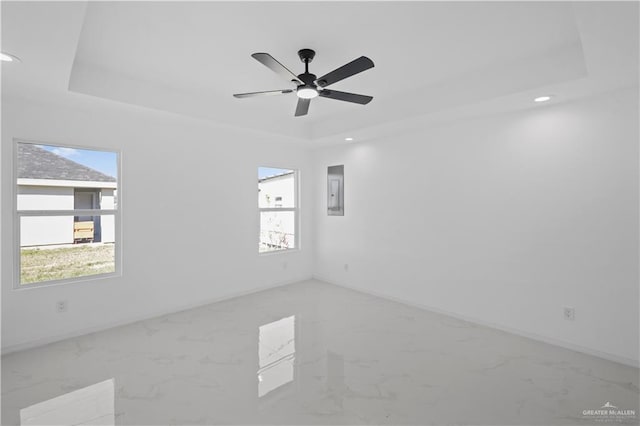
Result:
{"points": [[335, 191]]}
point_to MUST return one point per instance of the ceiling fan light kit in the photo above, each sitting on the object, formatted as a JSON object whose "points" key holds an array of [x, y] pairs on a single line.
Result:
{"points": [[306, 92], [307, 85]]}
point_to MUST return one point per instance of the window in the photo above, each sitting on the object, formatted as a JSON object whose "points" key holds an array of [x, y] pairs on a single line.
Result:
{"points": [[278, 209], [67, 215]]}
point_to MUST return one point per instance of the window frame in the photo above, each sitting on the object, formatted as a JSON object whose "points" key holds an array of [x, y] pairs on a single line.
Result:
{"points": [[295, 209], [18, 214]]}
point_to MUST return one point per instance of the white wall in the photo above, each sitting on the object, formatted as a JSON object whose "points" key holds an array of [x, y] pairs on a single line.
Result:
{"points": [[180, 247], [503, 220]]}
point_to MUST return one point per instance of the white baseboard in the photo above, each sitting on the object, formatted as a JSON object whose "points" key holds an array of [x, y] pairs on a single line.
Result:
{"points": [[81, 332], [549, 340]]}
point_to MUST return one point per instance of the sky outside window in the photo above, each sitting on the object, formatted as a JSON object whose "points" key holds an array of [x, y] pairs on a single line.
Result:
{"points": [[264, 172], [102, 161]]}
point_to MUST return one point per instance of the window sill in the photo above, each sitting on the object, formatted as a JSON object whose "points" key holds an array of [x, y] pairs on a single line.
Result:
{"points": [[66, 281], [276, 252]]}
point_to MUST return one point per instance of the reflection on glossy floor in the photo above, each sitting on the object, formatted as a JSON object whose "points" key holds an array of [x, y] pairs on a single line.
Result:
{"points": [[313, 353]]}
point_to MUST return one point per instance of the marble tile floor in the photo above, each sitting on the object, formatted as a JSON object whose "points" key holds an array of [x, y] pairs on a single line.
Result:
{"points": [[314, 353]]}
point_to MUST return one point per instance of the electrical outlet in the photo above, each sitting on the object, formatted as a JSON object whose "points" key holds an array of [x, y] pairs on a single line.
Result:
{"points": [[569, 313], [62, 306], [346, 267]]}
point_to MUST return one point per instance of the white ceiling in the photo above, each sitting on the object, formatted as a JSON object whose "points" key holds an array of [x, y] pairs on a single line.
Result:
{"points": [[433, 59]]}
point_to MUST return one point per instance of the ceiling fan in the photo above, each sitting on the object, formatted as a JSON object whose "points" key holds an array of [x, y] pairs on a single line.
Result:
{"points": [[307, 85]]}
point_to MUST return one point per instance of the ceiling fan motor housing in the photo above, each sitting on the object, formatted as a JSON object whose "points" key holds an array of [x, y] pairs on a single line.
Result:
{"points": [[308, 79]]}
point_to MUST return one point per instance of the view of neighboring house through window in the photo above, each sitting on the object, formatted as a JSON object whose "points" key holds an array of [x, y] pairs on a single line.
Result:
{"points": [[278, 208], [67, 212]]}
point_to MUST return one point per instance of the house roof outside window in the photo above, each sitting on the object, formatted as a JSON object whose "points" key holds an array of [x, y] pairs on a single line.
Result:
{"points": [[35, 162]]}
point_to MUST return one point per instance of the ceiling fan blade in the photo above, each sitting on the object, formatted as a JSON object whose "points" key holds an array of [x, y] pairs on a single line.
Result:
{"points": [[345, 96], [267, 93], [354, 67], [275, 66], [303, 107]]}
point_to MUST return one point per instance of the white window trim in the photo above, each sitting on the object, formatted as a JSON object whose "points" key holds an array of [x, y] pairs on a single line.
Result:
{"points": [[295, 210], [17, 214]]}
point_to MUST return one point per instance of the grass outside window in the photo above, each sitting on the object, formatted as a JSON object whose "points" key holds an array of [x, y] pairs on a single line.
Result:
{"points": [[46, 264]]}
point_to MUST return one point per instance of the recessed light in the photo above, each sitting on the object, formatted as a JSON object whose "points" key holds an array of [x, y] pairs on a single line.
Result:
{"points": [[348, 139], [542, 99], [7, 57]]}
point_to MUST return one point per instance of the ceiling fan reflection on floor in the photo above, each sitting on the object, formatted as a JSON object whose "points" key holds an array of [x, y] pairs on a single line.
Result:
{"points": [[307, 85]]}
